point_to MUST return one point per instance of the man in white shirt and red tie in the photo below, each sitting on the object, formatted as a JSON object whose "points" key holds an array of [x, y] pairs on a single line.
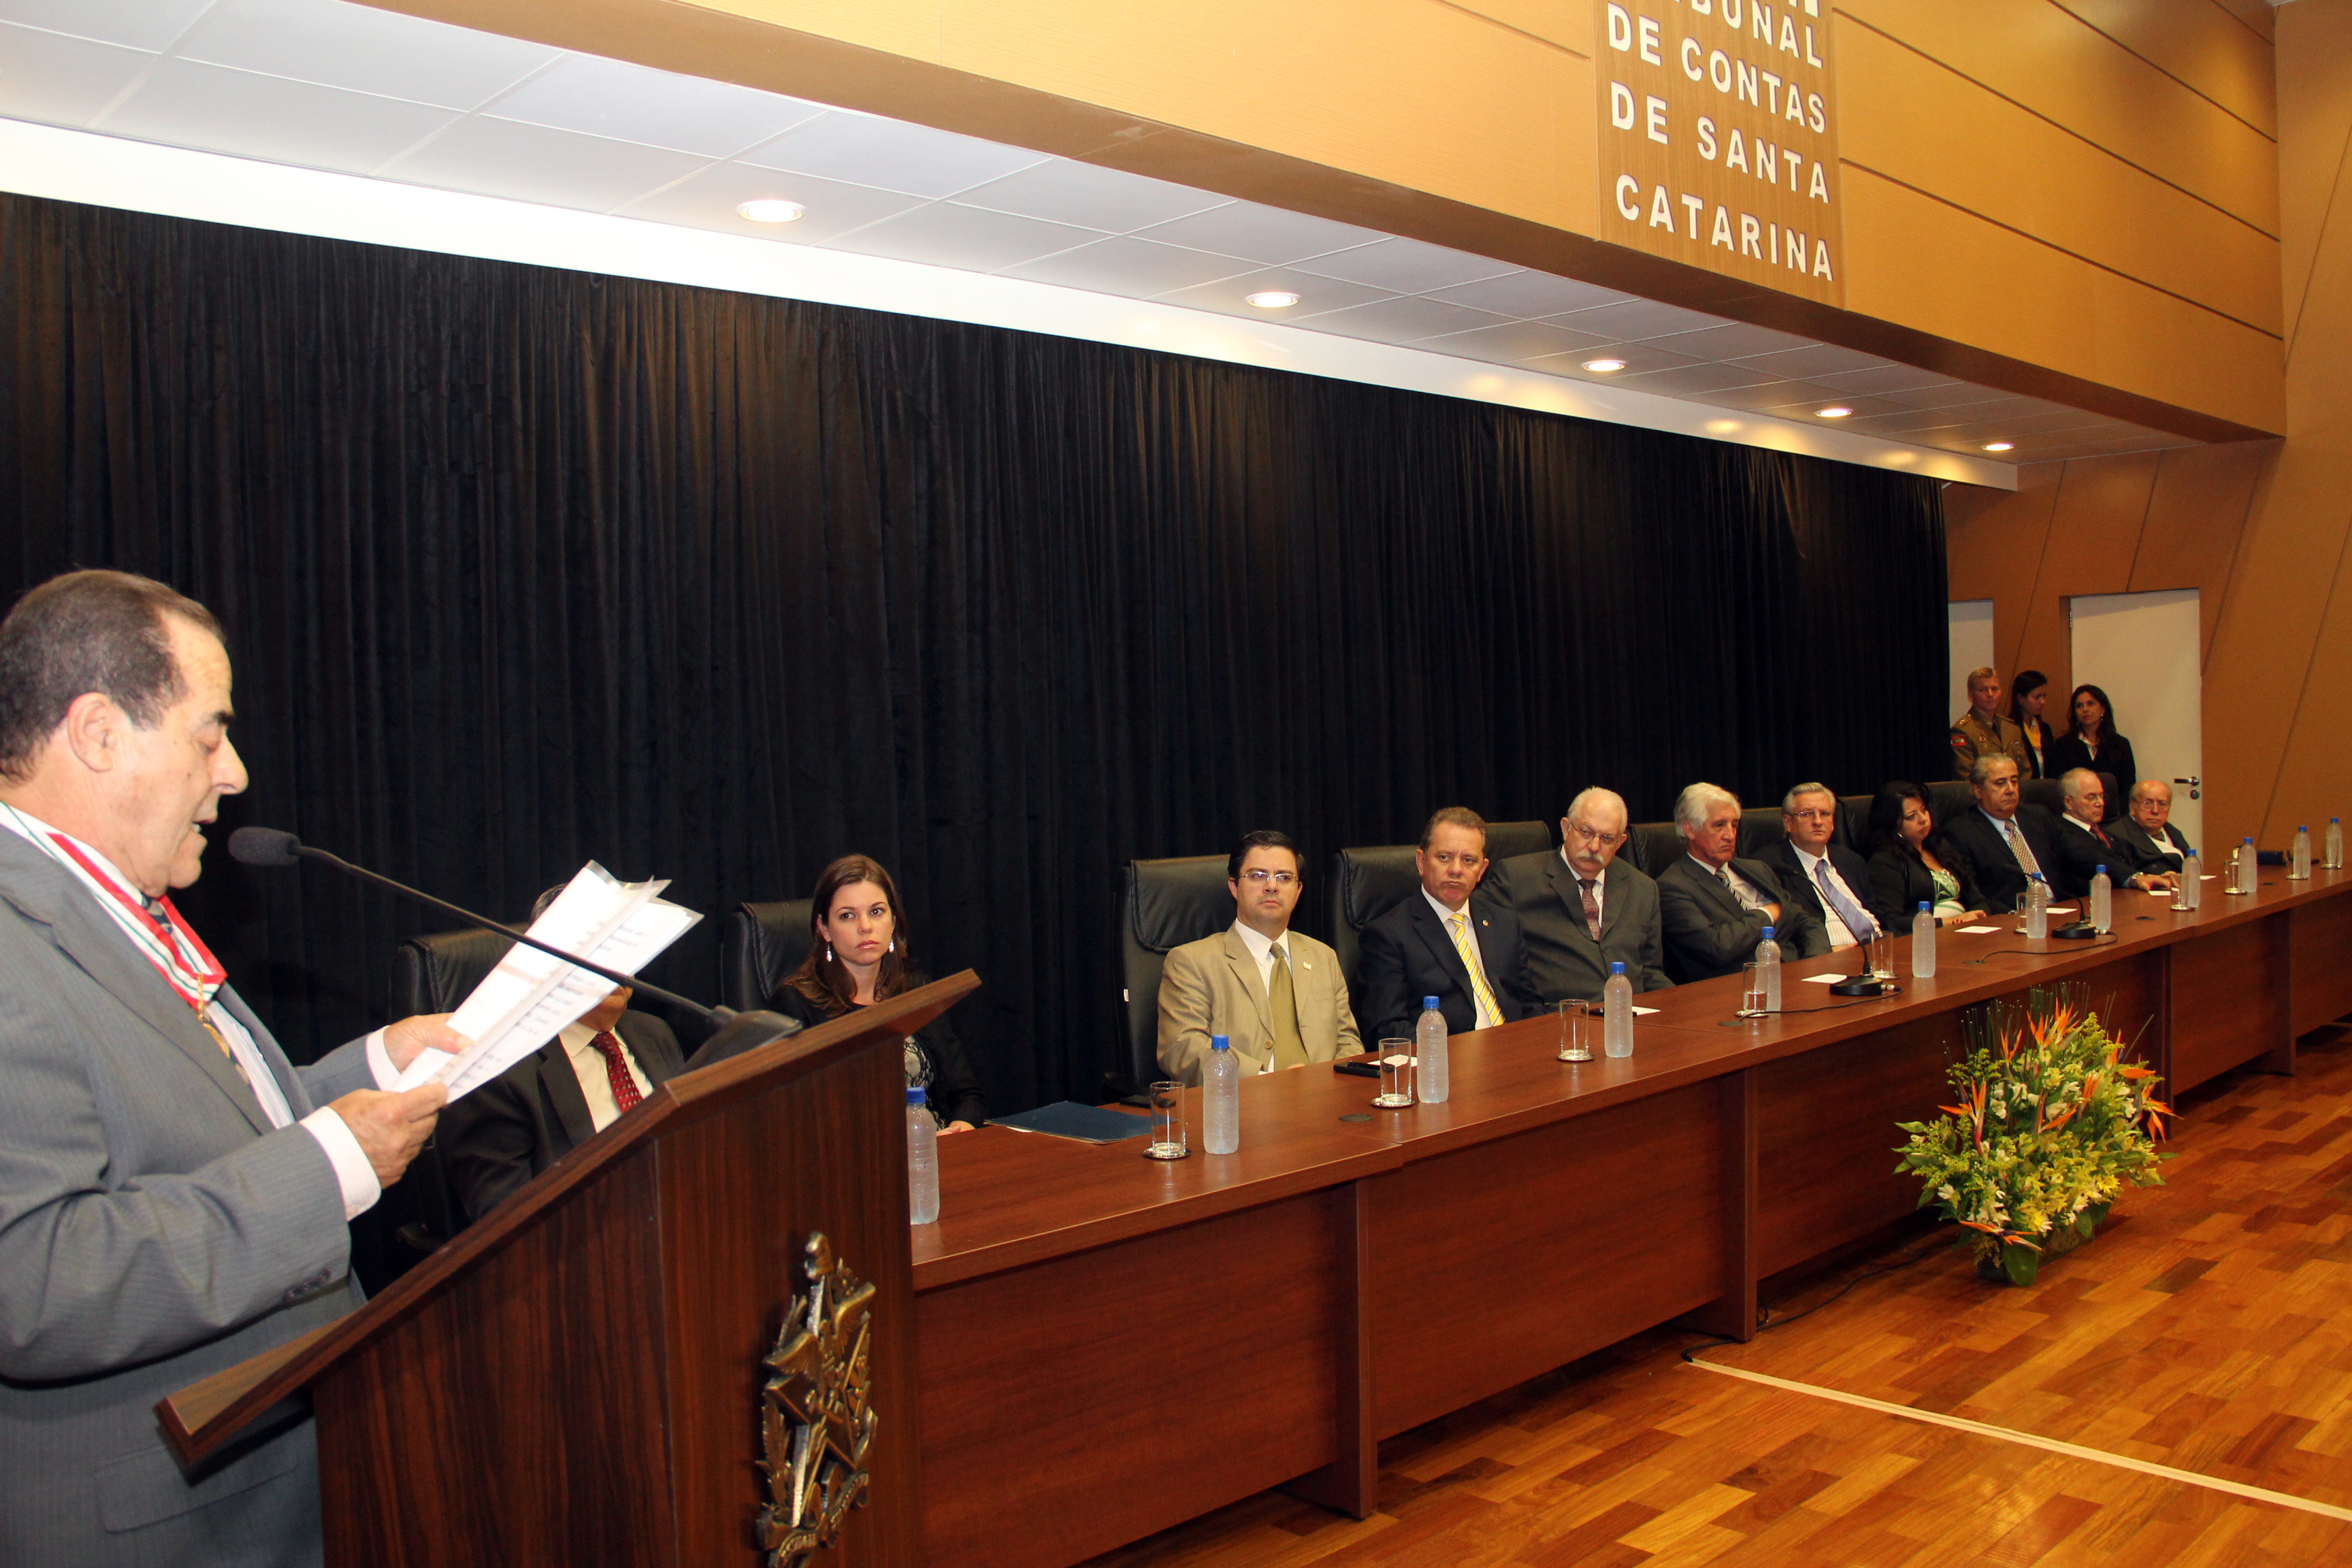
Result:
{"points": [[1825, 878], [554, 1100]]}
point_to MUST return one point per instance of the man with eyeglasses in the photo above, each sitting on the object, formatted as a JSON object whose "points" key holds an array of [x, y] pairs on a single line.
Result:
{"points": [[1275, 995], [1578, 911], [1827, 879]]}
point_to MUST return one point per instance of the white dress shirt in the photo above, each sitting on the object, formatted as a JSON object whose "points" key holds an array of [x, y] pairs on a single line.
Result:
{"points": [[595, 1082], [1469, 927], [1262, 948], [1749, 895], [1816, 866]]}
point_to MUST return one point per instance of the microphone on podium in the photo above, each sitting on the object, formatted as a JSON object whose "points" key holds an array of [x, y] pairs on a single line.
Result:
{"points": [[741, 1031]]}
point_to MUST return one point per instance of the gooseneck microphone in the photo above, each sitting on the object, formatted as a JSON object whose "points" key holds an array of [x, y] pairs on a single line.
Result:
{"points": [[274, 846]]}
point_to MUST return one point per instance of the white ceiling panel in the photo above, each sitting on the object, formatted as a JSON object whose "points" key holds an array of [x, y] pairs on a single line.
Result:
{"points": [[1885, 379], [1771, 394], [1511, 342], [1945, 394], [981, 240], [268, 117], [142, 24], [364, 49], [60, 80], [1136, 269], [1693, 380], [1635, 319], [1637, 358], [1916, 422], [1531, 294], [708, 200], [1229, 296], [1061, 191], [561, 168], [630, 103], [1405, 265], [1401, 319], [1731, 342], [1860, 406], [1816, 360], [862, 150], [1267, 235]]}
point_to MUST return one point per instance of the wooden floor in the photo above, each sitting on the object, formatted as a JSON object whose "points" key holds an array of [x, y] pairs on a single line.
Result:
{"points": [[2208, 1330]]}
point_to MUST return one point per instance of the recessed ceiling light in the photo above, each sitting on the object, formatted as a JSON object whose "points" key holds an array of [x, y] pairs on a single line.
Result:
{"points": [[1273, 300], [2000, 446], [1835, 412], [767, 209], [1603, 366]]}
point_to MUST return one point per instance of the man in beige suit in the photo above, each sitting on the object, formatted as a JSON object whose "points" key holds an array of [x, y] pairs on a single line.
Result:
{"points": [[1275, 995]]}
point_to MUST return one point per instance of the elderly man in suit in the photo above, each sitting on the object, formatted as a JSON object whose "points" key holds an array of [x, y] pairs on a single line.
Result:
{"points": [[2084, 846], [1715, 906], [1829, 881], [1275, 994], [1579, 910], [2008, 842], [173, 1192], [2148, 832], [1436, 944]]}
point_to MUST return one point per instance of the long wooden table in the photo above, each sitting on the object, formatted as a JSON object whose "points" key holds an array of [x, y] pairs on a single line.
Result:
{"points": [[1111, 1345]]}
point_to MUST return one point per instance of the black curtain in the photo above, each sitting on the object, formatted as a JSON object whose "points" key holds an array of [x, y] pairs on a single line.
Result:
{"points": [[523, 566]]}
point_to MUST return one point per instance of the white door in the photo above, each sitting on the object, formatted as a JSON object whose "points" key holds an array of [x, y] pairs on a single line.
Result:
{"points": [[1970, 623], [2142, 650]]}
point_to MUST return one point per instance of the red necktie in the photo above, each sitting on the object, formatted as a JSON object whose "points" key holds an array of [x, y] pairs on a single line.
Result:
{"points": [[2101, 836], [1592, 907], [616, 1070]]}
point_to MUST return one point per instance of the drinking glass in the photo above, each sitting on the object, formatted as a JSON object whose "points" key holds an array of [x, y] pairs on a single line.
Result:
{"points": [[1167, 1122], [1575, 1033], [1882, 955], [1751, 991], [1396, 1075]]}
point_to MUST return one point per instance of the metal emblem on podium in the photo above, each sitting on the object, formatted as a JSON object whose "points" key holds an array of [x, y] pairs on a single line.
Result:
{"points": [[816, 1420]]}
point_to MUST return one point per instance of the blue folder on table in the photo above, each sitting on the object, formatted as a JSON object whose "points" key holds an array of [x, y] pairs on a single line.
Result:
{"points": [[1068, 1119]]}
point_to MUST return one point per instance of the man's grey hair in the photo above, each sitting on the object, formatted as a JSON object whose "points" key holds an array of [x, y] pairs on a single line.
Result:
{"points": [[1982, 768], [1596, 795], [2146, 789], [2078, 783], [1789, 801], [1693, 804]]}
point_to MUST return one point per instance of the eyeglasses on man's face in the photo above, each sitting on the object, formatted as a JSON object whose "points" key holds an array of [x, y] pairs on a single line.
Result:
{"points": [[1259, 876], [1599, 838], [1814, 813]]}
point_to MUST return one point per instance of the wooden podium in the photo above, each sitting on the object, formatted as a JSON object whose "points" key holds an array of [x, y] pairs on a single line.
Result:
{"points": [[580, 1378]]}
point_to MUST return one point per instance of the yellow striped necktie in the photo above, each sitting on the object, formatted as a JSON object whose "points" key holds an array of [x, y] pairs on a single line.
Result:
{"points": [[1489, 1014]]}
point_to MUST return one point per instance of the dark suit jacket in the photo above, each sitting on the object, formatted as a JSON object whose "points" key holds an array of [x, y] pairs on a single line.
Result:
{"points": [[2133, 837], [1708, 934], [534, 1114], [2000, 878], [1900, 882], [2113, 758], [1408, 955], [1563, 960], [2080, 856], [1782, 859]]}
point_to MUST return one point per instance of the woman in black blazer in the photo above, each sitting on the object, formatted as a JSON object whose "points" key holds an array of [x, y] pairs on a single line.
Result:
{"points": [[1910, 864], [2091, 742], [858, 957]]}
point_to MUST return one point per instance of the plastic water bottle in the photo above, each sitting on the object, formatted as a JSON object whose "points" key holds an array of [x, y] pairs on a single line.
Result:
{"points": [[1221, 1098], [2334, 844], [2245, 867], [1923, 944], [2037, 908], [922, 1159], [1767, 970], [1617, 1013], [2103, 902], [2299, 866], [1431, 1083], [2192, 881]]}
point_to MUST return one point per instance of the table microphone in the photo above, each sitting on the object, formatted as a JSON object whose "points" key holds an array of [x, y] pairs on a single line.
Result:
{"points": [[274, 846]]}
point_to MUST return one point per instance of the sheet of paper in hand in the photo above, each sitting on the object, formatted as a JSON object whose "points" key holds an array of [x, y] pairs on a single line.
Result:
{"points": [[528, 998]]}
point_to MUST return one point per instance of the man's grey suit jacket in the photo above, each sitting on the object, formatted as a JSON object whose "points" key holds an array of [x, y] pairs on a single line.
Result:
{"points": [[154, 1230], [1563, 960]]}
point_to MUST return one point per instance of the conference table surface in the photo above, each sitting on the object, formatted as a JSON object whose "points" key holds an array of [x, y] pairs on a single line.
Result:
{"points": [[1545, 1210]]}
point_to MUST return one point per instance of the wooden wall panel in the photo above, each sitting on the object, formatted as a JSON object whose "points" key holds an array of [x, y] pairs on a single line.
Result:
{"points": [[2194, 521], [2044, 58], [2314, 119], [2208, 49], [2095, 530], [1903, 114], [1914, 258]]}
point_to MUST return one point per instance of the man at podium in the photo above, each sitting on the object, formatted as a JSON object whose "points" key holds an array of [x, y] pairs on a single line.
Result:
{"points": [[173, 1192]]}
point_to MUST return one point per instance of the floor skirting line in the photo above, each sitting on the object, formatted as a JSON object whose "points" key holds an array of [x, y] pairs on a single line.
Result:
{"points": [[2007, 1435]]}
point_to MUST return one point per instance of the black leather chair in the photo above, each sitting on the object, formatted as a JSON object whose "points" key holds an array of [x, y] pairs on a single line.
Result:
{"points": [[1760, 827], [1168, 904], [1505, 839], [758, 946], [1654, 845], [1853, 828]]}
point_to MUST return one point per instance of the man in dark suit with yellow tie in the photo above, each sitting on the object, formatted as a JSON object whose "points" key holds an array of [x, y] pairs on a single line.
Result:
{"points": [[1433, 944]]}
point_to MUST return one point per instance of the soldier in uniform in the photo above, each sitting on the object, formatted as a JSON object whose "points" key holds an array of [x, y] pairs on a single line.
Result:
{"points": [[1984, 730]]}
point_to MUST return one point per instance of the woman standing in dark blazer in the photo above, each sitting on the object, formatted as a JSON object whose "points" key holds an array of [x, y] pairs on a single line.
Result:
{"points": [[858, 958], [2091, 742], [2027, 695], [1910, 864]]}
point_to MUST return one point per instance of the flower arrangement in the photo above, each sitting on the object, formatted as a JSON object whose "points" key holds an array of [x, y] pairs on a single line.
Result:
{"points": [[2051, 1122]]}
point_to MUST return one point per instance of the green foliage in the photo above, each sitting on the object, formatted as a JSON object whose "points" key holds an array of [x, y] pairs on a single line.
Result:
{"points": [[2051, 1123]]}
